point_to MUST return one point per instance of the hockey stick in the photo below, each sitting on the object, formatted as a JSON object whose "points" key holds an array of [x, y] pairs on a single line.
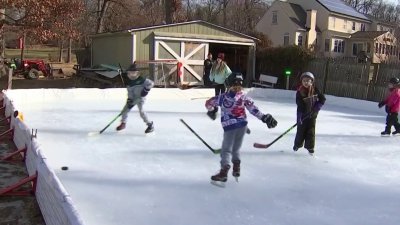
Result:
{"points": [[258, 145], [215, 151]]}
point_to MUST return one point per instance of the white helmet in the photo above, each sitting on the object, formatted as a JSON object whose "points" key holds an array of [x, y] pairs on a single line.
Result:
{"points": [[307, 74]]}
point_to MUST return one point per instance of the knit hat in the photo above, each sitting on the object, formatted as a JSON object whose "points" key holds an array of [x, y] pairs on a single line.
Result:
{"points": [[132, 67], [307, 74], [221, 55]]}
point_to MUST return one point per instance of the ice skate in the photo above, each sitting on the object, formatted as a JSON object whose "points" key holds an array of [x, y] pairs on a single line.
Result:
{"points": [[150, 128], [295, 148], [396, 133], [220, 178], [311, 152], [236, 170], [121, 126], [385, 133]]}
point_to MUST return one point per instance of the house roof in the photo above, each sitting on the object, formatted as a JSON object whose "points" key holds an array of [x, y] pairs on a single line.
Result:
{"points": [[296, 14], [340, 7], [367, 34]]}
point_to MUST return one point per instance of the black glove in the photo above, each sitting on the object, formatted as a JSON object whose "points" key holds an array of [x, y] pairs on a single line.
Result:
{"points": [[269, 120], [130, 103], [381, 104], [213, 114]]}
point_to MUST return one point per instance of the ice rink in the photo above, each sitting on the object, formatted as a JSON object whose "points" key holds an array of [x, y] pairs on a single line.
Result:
{"points": [[163, 178]]}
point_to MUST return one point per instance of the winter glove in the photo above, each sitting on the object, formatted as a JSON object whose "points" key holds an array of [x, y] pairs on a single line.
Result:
{"points": [[213, 114], [381, 104], [317, 107], [269, 120], [144, 92]]}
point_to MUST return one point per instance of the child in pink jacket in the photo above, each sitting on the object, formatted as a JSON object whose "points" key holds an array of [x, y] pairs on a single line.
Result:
{"points": [[392, 103]]}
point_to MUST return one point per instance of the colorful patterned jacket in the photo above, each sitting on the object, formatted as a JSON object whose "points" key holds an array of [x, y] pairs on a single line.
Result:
{"points": [[233, 105]]}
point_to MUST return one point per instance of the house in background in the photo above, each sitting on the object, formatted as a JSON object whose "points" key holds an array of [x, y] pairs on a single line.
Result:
{"points": [[331, 28]]}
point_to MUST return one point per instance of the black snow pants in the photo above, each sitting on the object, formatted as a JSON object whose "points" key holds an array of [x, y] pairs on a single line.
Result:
{"points": [[306, 134], [392, 120]]}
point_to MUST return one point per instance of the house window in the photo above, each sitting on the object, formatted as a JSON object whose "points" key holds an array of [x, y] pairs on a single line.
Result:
{"points": [[362, 27], [327, 49], [300, 40], [380, 48], [354, 26], [274, 17], [357, 48], [376, 48], [338, 46], [286, 39]]}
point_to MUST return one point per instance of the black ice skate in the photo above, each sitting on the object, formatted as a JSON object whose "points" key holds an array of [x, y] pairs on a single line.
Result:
{"points": [[121, 126], [295, 148], [236, 170], [220, 178], [311, 151], [385, 133], [396, 133], [150, 128]]}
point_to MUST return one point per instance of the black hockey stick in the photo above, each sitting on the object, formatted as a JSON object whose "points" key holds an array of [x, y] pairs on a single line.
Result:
{"points": [[258, 145], [215, 151]]}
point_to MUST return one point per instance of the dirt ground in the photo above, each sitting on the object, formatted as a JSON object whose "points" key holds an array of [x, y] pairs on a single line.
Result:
{"points": [[23, 210]]}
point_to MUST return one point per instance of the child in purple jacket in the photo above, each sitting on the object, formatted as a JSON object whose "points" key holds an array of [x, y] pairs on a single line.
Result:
{"points": [[234, 122], [392, 103]]}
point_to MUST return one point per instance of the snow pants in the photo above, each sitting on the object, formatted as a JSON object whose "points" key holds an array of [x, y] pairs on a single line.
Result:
{"points": [[142, 113], [306, 134], [392, 120], [231, 144]]}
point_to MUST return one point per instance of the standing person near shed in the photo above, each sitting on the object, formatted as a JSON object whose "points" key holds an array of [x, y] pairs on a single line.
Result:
{"points": [[208, 63], [219, 72]]}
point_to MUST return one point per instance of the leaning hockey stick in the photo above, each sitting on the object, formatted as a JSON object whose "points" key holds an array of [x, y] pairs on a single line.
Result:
{"points": [[258, 145], [215, 151]]}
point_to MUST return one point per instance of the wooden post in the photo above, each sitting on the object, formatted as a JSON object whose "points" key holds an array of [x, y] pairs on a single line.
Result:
{"points": [[10, 78], [23, 47]]}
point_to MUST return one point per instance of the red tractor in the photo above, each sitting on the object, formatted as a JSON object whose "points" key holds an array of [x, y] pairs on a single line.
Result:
{"points": [[31, 68]]}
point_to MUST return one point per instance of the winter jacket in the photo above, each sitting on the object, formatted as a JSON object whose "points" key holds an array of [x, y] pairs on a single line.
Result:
{"points": [[219, 77], [392, 102], [233, 109], [138, 88], [309, 102]]}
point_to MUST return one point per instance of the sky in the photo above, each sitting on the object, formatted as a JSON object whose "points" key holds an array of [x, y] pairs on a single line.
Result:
{"points": [[129, 177]]}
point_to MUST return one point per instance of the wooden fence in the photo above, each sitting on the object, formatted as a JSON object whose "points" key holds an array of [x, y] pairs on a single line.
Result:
{"points": [[346, 78]]}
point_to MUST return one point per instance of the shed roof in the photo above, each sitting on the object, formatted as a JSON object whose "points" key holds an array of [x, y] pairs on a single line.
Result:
{"points": [[137, 29]]}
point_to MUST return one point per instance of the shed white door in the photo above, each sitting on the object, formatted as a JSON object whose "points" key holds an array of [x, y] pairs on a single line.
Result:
{"points": [[190, 54]]}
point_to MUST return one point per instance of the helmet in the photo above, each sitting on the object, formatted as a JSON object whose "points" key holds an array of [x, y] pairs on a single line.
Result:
{"points": [[307, 74], [234, 79], [394, 81], [132, 67]]}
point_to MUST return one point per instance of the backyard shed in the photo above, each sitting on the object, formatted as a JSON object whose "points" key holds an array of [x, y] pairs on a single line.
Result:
{"points": [[175, 53]]}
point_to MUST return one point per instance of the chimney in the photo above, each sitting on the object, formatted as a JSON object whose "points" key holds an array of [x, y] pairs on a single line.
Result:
{"points": [[311, 24]]}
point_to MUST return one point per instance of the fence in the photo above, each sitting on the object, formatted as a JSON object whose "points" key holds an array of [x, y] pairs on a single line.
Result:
{"points": [[55, 203], [345, 78]]}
